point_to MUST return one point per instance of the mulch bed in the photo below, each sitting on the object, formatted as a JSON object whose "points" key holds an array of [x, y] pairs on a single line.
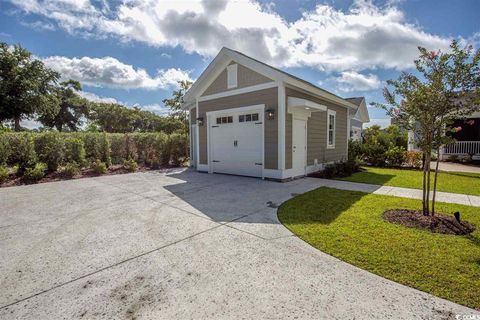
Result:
{"points": [[16, 180], [439, 223]]}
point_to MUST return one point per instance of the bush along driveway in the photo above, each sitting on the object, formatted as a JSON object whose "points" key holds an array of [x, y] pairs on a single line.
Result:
{"points": [[454, 182], [350, 225]]}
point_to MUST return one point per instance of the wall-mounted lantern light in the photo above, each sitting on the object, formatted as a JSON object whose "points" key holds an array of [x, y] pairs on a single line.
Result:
{"points": [[200, 121], [270, 114]]}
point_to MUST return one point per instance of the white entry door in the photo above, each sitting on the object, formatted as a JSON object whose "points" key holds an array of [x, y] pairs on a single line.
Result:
{"points": [[299, 147], [236, 142]]}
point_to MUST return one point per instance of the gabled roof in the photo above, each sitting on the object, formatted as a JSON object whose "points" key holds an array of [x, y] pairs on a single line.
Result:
{"points": [[356, 100], [361, 112], [226, 55]]}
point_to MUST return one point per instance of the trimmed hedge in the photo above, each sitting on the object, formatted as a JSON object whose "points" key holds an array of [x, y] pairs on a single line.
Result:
{"points": [[58, 148]]}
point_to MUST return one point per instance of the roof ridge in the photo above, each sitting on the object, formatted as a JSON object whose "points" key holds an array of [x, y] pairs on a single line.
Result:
{"points": [[284, 72]]}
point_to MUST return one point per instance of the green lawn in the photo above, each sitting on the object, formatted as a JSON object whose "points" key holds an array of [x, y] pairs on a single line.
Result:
{"points": [[456, 182], [349, 225]]}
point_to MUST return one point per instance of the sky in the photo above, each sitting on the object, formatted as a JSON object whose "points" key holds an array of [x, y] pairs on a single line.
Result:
{"points": [[135, 51]]}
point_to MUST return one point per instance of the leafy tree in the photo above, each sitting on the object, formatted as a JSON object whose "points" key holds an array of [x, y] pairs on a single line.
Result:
{"points": [[445, 88], [382, 147], [70, 110], [175, 104], [111, 117], [26, 85]]}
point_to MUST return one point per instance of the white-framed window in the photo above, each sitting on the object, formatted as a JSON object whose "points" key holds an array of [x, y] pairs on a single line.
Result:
{"points": [[223, 120], [331, 124], [232, 76]]}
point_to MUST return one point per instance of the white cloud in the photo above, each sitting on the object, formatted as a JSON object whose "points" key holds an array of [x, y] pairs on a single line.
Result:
{"points": [[39, 25], [354, 81], [363, 37], [96, 98], [109, 72], [155, 107], [30, 124], [382, 122]]}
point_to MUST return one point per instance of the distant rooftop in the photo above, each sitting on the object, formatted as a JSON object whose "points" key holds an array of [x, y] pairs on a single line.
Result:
{"points": [[355, 100]]}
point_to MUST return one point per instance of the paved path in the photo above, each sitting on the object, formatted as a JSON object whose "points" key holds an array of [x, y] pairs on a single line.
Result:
{"points": [[456, 167], [180, 246], [401, 192]]}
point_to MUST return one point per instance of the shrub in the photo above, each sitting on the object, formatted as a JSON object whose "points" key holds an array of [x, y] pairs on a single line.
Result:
{"points": [[105, 150], [162, 149], [329, 171], [97, 146], [378, 142], [22, 151], [350, 167], [141, 145], [130, 148], [354, 149], [177, 145], [74, 151], [131, 165], [155, 164], [50, 149], [413, 158], [99, 167], [118, 147], [91, 143], [394, 156], [3, 174], [36, 173], [71, 169], [5, 149]]}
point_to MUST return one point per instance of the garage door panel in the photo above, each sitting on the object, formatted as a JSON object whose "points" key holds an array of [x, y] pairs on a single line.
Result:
{"points": [[236, 148]]}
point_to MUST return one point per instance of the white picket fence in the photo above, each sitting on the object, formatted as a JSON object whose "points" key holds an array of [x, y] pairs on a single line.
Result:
{"points": [[462, 147]]}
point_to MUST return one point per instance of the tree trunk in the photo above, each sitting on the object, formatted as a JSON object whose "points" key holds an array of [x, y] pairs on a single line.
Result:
{"points": [[427, 164], [17, 124], [187, 129], [424, 183], [435, 182]]}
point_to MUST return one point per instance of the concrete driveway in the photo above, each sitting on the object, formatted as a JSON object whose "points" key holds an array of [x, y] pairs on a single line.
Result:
{"points": [[179, 245]]}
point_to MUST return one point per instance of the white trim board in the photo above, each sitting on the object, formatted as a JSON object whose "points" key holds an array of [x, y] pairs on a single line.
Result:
{"points": [[281, 118], [329, 113]]}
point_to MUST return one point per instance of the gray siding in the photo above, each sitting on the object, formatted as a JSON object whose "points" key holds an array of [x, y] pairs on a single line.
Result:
{"points": [[269, 97], [317, 132], [245, 78]]}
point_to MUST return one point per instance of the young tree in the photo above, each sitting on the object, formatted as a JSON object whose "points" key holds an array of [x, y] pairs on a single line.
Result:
{"points": [[175, 105], [71, 108], [26, 85], [445, 88]]}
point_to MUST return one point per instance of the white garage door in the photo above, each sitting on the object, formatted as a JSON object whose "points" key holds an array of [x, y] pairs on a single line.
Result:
{"points": [[236, 142]]}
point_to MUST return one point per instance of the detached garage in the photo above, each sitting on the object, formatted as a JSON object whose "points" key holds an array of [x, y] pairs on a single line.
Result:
{"points": [[250, 119]]}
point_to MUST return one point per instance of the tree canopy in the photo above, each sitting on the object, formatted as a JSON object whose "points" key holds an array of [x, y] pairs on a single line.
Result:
{"points": [[29, 90], [70, 110], [445, 87], [26, 85], [111, 117]]}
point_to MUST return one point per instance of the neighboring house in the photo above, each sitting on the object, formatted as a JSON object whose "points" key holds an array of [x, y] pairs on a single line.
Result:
{"points": [[467, 138], [358, 117], [248, 118]]}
